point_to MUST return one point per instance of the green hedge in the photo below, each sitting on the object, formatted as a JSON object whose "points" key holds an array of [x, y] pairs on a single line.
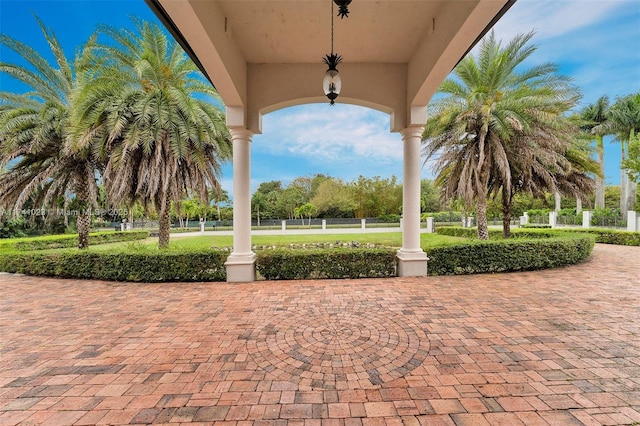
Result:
{"points": [[509, 255], [608, 236], [138, 267], [331, 263], [532, 249], [602, 235], [67, 241], [458, 231]]}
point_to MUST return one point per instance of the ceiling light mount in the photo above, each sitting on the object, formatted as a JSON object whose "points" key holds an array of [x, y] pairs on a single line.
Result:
{"points": [[343, 8]]}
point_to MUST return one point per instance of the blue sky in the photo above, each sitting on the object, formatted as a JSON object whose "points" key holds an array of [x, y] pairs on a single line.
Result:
{"points": [[597, 43]]}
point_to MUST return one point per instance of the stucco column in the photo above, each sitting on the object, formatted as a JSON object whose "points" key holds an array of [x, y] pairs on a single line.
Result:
{"points": [[241, 262], [412, 261]]}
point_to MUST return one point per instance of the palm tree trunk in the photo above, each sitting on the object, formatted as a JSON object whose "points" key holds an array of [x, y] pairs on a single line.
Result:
{"points": [[599, 204], [164, 224], [623, 182], [624, 192], [506, 214], [481, 216], [578, 205], [632, 188], [83, 220], [481, 178]]}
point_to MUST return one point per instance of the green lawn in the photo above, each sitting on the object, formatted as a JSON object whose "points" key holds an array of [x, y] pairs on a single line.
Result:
{"points": [[207, 241]]}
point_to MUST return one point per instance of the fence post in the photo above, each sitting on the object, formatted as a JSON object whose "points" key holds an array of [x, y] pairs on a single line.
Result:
{"points": [[122, 225], [284, 226], [632, 221], [430, 225], [363, 225], [586, 218], [553, 219], [324, 226], [524, 219], [202, 225]]}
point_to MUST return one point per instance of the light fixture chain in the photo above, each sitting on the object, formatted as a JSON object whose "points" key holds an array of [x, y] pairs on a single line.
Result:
{"points": [[331, 27]]}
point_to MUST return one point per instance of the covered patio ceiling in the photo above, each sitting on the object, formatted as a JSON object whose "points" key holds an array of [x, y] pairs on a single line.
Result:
{"points": [[263, 55]]}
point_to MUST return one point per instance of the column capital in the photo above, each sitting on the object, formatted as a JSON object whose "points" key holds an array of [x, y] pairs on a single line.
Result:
{"points": [[412, 132], [240, 133]]}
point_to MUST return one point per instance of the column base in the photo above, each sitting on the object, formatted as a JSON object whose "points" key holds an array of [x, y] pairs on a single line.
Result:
{"points": [[241, 268], [412, 263]]}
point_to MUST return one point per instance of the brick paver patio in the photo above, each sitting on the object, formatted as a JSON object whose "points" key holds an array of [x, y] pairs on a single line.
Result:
{"points": [[559, 347]]}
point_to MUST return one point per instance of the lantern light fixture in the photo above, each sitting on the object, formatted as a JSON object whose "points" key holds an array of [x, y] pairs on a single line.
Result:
{"points": [[332, 83]]}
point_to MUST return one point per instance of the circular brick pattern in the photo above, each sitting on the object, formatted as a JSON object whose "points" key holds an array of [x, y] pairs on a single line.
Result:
{"points": [[338, 347]]}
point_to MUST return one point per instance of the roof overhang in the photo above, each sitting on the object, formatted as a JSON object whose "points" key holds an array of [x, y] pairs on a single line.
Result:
{"points": [[263, 55]]}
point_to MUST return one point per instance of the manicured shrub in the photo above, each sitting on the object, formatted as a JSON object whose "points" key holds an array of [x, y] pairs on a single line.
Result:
{"points": [[529, 249], [458, 231], [602, 235], [609, 236], [605, 217], [11, 228], [389, 218], [332, 263], [509, 255], [538, 212], [444, 216], [138, 267], [66, 241]]}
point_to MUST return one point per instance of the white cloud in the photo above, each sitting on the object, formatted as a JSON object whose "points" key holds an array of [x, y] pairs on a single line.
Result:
{"points": [[553, 18], [323, 133]]}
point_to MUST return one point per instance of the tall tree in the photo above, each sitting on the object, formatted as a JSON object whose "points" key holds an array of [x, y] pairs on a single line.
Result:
{"points": [[489, 106], [624, 124], [429, 196], [152, 117], [290, 198], [334, 199], [218, 196], [632, 163], [376, 196], [35, 130], [265, 200], [595, 117]]}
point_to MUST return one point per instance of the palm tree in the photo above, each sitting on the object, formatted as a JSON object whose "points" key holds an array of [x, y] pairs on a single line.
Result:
{"points": [[150, 116], [34, 135], [221, 196], [306, 209], [632, 162], [551, 162], [489, 110], [624, 123], [595, 116]]}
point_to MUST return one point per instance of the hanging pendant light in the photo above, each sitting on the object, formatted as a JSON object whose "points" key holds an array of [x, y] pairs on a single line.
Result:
{"points": [[332, 83]]}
